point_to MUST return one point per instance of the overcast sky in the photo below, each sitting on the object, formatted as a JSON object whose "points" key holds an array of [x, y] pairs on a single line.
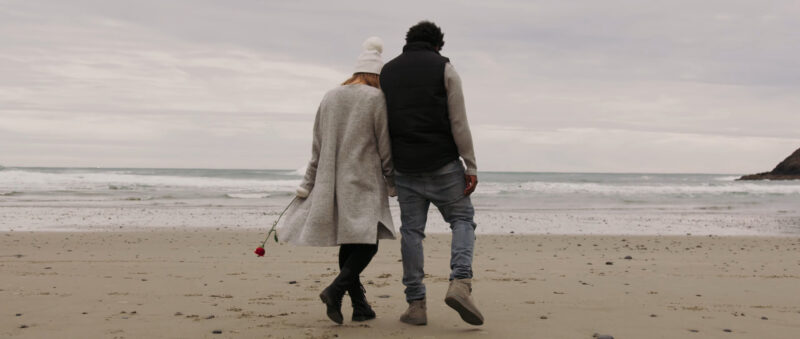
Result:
{"points": [[579, 86]]}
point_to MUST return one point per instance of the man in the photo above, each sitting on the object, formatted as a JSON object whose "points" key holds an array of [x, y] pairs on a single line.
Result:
{"points": [[429, 131]]}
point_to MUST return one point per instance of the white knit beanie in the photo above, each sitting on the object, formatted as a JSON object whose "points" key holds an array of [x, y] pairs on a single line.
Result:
{"points": [[370, 59]]}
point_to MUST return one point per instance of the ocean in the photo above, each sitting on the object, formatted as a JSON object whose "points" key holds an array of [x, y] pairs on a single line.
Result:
{"points": [[629, 203]]}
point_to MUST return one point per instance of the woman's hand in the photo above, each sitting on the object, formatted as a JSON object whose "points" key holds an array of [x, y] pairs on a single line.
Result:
{"points": [[302, 192]]}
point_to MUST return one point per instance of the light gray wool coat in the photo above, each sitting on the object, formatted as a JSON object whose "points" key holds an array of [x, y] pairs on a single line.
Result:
{"points": [[349, 174]]}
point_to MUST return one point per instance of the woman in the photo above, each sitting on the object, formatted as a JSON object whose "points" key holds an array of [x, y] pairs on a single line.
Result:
{"points": [[343, 198]]}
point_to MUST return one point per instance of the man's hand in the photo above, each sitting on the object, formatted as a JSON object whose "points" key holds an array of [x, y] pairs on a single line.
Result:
{"points": [[472, 182]]}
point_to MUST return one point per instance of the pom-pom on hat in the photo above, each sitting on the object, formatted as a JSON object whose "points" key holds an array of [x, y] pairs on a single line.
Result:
{"points": [[370, 60]]}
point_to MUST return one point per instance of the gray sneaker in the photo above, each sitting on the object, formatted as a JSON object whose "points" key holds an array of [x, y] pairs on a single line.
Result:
{"points": [[416, 314], [459, 298]]}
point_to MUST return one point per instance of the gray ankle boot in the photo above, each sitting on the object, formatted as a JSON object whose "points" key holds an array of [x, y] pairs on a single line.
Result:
{"points": [[416, 314], [459, 298]]}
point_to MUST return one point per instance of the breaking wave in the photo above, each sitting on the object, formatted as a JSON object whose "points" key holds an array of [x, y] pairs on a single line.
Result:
{"points": [[490, 188], [247, 195]]}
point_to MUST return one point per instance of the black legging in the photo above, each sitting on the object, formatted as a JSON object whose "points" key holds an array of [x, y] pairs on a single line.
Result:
{"points": [[353, 259]]}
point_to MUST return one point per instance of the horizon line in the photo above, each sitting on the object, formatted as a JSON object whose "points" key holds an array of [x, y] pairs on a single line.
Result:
{"points": [[289, 169]]}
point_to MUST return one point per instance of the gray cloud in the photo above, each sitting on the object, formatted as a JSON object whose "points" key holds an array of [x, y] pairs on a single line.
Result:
{"points": [[557, 86]]}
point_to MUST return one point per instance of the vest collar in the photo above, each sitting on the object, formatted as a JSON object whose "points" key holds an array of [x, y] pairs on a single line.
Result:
{"points": [[419, 46]]}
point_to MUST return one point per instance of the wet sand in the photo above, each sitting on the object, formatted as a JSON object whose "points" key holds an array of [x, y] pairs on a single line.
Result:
{"points": [[157, 283]]}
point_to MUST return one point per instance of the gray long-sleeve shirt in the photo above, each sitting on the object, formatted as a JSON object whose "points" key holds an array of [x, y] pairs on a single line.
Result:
{"points": [[458, 118]]}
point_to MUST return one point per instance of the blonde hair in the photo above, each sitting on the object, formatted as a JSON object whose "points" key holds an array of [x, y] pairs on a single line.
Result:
{"points": [[370, 79]]}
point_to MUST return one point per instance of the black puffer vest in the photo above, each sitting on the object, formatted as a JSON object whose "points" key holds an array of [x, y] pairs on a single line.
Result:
{"points": [[416, 100]]}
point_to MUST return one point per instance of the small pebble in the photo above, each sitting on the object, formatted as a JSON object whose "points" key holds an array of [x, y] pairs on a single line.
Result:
{"points": [[210, 317], [23, 326], [694, 331], [544, 317], [764, 318], [653, 316], [217, 331], [178, 313], [627, 257], [84, 313], [292, 282], [19, 314], [383, 296], [727, 330], [602, 336], [609, 263]]}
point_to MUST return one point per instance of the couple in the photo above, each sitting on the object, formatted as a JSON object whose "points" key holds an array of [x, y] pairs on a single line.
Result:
{"points": [[393, 130]]}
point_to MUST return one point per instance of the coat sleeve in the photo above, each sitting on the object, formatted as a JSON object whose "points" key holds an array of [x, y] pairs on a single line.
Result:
{"points": [[384, 142], [311, 170]]}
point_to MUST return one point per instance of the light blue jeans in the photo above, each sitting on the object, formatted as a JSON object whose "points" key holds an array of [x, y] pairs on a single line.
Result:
{"points": [[445, 189]]}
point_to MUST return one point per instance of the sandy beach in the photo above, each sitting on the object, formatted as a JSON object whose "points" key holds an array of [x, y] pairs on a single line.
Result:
{"points": [[632, 169], [160, 283]]}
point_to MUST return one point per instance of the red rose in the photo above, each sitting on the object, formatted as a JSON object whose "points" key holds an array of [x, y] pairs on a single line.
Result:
{"points": [[260, 251], [272, 232]]}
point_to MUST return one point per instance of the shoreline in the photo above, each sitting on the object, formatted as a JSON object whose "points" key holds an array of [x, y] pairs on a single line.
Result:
{"points": [[167, 284], [492, 219]]}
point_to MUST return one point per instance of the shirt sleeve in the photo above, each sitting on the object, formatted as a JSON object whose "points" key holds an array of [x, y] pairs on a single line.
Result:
{"points": [[458, 118]]}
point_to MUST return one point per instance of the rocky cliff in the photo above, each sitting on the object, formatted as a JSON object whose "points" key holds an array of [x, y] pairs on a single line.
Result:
{"points": [[788, 169]]}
